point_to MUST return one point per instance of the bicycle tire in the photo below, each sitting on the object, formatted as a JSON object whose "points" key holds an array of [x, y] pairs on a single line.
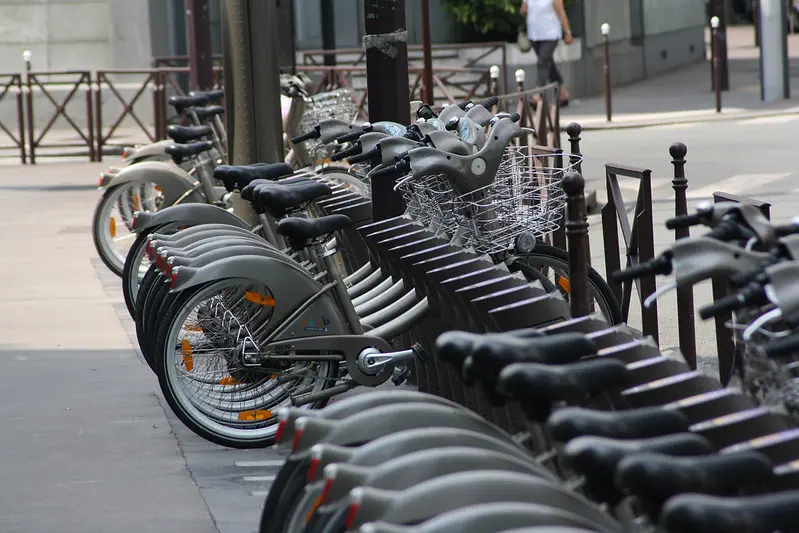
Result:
{"points": [[108, 195], [287, 486], [600, 290], [179, 302]]}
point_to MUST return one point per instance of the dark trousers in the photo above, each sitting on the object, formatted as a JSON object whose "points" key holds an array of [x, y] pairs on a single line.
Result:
{"points": [[547, 70]]}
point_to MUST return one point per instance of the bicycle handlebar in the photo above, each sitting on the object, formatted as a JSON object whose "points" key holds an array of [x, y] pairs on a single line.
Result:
{"points": [[350, 137], [782, 346], [489, 102], [401, 167], [365, 156], [684, 221], [313, 134], [753, 294], [343, 154], [658, 266]]}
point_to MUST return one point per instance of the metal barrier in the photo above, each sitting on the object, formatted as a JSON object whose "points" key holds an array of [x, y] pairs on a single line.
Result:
{"points": [[727, 349], [638, 237], [536, 112], [168, 84], [312, 58], [45, 81], [12, 83], [445, 88], [104, 79]]}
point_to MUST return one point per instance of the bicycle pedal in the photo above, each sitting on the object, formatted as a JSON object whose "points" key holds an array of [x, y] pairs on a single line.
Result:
{"points": [[420, 352], [400, 377]]}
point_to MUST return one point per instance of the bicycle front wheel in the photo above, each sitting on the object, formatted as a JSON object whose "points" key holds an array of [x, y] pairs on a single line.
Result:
{"points": [[550, 266]]}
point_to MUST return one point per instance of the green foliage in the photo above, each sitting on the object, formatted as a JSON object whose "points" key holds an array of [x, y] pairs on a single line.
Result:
{"points": [[490, 16], [486, 15]]}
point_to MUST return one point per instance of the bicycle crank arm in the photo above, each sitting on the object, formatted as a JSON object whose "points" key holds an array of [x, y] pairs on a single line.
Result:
{"points": [[372, 361]]}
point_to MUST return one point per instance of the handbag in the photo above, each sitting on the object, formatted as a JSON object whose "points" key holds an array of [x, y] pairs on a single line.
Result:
{"points": [[523, 41]]}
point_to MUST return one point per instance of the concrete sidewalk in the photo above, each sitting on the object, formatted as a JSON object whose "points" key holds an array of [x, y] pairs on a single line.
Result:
{"points": [[85, 446], [685, 95]]}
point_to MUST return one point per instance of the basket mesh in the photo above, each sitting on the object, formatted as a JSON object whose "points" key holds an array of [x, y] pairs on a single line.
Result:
{"points": [[525, 197], [334, 104]]}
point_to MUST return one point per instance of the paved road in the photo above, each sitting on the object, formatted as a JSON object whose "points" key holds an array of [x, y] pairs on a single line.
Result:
{"points": [[85, 443]]}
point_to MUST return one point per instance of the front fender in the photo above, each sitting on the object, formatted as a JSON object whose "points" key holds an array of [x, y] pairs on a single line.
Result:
{"points": [[191, 214], [291, 288], [173, 181]]}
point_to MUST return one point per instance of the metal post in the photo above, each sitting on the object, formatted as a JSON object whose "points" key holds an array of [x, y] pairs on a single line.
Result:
{"points": [[387, 85], [26, 57], [714, 43], [605, 29], [493, 73], [328, 31], [718, 8], [577, 235], [774, 76], [685, 295], [198, 23], [252, 81], [573, 130], [427, 56]]}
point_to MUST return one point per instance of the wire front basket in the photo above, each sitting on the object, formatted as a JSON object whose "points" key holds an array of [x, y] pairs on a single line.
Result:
{"points": [[525, 197], [334, 104]]}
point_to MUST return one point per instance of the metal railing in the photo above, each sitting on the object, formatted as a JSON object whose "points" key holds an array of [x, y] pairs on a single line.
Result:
{"points": [[11, 84]]}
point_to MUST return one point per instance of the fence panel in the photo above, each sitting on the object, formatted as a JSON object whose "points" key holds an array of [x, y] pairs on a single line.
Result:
{"points": [[11, 84], [47, 83], [109, 82]]}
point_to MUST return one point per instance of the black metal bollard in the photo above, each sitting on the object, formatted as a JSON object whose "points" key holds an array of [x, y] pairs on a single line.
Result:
{"points": [[574, 130], [685, 296], [577, 235], [714, 40]]}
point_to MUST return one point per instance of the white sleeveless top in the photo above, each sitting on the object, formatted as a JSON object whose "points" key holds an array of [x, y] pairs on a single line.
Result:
{"points": [[542, 21]]}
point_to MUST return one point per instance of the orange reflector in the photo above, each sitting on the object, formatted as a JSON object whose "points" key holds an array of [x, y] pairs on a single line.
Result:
{"points": [[228, 380], [259, 298], [193, 327], [564, 283], [188, 360], [112, 227], [136, 203], [313, 509], [255, 414], [159, 189]]}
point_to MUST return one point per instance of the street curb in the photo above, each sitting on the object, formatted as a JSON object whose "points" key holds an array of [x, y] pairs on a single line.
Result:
{"points": [[686, 120]]}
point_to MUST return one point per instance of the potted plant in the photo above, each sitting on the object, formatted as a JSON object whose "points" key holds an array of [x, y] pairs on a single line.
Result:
{"points": [[489, 20]]}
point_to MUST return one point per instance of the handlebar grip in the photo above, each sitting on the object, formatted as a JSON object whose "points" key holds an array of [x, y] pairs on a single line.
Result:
{"points": [[741, 280], [366, 156], [684, 221], [465, 104], [390, 170], [489, 102], [515, 117], [786, 230], [343, 154], [313, 134], [725, 231], [350, 137], [728, 304], [782, 346], [658, 266]]}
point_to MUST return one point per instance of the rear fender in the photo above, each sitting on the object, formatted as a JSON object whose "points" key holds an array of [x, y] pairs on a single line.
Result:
{"points": [[173, 180], [217, 236], [153, 152], [205, 257], [191, 214], [300, 306]]}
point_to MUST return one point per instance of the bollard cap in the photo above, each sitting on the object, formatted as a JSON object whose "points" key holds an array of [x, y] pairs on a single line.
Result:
{"points": [[520, 76], [605, 29], [714, 22], [574, 129], [494, 72], [27, 55], [573, 183], [678, 151]]}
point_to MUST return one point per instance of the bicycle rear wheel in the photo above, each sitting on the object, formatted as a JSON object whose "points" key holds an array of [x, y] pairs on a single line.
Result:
{"points": [[550, 265]]}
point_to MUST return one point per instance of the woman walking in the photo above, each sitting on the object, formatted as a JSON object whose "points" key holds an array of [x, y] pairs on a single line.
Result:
{"points": [[547, 23]]}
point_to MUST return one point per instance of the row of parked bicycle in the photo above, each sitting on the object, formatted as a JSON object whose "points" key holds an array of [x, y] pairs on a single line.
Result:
{"points": [[240, 318]]}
